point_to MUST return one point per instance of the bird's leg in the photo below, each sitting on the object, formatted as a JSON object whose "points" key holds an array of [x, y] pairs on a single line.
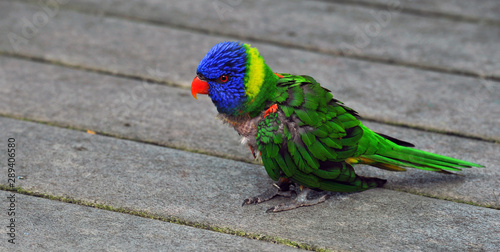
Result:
{"points": [[306, 197], [282, 188]]}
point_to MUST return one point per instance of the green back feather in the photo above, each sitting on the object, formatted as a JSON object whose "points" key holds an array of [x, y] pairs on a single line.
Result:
{"points": [[312, 135]]}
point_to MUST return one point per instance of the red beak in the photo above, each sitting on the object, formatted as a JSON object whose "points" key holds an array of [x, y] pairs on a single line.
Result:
{"points": [[199, 87]]}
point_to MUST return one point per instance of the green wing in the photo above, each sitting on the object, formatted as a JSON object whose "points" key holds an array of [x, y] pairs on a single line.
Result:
{"points": [[311, 136]]}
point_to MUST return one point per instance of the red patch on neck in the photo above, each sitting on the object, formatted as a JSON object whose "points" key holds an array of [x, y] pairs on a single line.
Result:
{"points": [[270, 110], [279, 75]]}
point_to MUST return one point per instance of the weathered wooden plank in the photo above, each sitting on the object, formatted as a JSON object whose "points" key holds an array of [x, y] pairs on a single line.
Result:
{"points": [[43, 224], [385, 34], [208, 190], [401, 95], [170, 116], [460, 10]]}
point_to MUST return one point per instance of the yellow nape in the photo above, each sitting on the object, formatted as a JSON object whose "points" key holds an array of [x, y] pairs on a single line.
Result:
{"points": [[255, 72]]}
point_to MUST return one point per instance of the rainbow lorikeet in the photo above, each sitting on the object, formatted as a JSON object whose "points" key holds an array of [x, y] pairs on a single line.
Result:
{"points": [[308, 140]]}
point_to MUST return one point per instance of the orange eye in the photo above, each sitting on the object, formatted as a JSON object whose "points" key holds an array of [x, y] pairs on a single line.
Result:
{"points": [[224, 78]]}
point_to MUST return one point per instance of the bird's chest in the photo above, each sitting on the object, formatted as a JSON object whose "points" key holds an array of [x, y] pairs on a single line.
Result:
{"points": [[246, 127]]}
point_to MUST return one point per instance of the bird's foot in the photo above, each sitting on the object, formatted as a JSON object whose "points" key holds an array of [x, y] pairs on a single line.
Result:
{"points": [[307, 197], [282, 188]]}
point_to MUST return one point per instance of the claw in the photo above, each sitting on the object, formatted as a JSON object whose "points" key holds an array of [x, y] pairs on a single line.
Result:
{"points": [[249, 201], [281, 188], [307, 197], [271, 210]]}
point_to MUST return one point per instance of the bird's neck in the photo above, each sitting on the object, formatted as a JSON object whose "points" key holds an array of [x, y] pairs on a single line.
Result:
{"points": [[256, 102]]}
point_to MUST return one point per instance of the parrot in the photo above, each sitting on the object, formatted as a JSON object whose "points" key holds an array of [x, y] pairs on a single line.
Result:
{"points": [[308, 141]]}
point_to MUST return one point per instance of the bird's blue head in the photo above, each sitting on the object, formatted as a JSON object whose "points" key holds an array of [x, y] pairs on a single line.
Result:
{"points": [[235, 77]]}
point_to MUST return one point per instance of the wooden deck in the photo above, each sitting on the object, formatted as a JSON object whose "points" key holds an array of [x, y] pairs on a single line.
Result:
{"points": [[162, 173]]}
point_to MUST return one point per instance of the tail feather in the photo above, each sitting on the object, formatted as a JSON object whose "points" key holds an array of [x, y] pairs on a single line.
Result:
{"points": [[414, 158], [400, 163], [436, 157]]}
